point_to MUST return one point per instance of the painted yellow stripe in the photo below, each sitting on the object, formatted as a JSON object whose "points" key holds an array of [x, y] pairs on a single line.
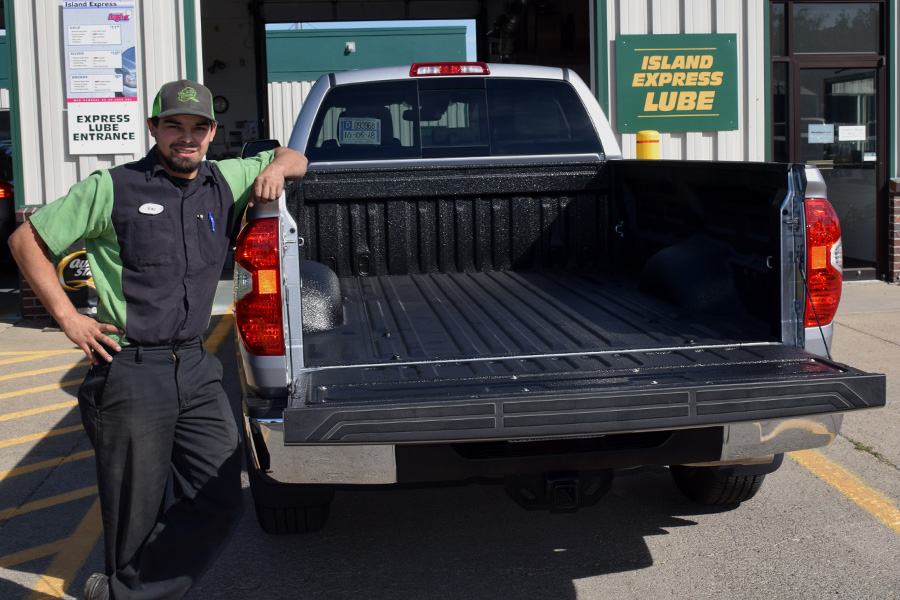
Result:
{"points": [[44, 464], [37, 411], [222, 329], [26, 356], [669, 49], [42, 388], [15, 511], [72, 553], [851, 486], [24, 556], [40, 353], [69, 366], [39, 436]]}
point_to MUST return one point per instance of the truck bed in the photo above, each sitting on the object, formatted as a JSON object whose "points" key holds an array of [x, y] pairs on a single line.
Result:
{"points": [[506, 355], [464, 316], [498, 302]]}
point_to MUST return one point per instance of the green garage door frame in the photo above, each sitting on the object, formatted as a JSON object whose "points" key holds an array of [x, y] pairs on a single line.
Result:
{"points": [[15, 132]]}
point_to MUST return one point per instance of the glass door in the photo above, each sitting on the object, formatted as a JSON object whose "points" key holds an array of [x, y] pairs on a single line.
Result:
{"points": [[839, 124]]}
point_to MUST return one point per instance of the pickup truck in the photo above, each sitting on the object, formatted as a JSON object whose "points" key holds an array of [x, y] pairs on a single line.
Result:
{"points": [[471, 283]]}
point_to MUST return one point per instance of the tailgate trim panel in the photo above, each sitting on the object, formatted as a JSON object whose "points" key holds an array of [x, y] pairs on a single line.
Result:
{"points": [[407, 406]]}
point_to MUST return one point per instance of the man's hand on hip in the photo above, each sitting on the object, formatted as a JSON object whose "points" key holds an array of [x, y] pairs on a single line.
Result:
{"points": [[90, 336]]}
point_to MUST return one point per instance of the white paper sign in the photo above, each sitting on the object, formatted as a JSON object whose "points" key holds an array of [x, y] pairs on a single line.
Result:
{"points": [[104, 128], [100, 50], [852, 133], [821, 133]]}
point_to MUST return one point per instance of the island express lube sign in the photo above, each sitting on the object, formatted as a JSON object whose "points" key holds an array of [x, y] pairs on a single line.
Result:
{"points": [[676, 82], [101, 77]]}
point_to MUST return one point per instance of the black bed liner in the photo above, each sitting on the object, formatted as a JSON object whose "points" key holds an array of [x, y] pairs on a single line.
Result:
{"points": [[507, 355], [466, 316]]}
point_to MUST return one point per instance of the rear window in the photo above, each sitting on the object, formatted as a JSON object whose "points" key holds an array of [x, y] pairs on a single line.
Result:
{"points": [[451, 117]]}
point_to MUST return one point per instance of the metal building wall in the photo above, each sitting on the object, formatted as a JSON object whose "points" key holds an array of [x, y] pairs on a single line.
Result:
{"points": [[285, 100], [746, 18], [48, 170]]}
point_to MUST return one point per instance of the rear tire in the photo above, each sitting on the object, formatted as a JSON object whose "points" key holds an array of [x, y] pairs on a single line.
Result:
{"points": [[707, 485]]}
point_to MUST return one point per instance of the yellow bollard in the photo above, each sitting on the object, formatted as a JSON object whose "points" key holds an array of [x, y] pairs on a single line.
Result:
{"points": [[648, 144]]}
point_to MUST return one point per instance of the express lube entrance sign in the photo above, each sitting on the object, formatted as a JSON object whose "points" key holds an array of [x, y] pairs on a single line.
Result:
{"points": [[101, 77], [677, 82]]}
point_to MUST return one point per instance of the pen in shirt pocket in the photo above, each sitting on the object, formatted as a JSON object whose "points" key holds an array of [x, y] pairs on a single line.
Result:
{"points": [[212, 222]]}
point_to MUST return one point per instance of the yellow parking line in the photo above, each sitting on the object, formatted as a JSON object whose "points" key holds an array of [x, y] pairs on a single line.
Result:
{"points": [[70, 557], [72, 552], [15, 511], [43, 388], [851, 486], [83, 363], [37, 411], [218, 334], [44, 464], [34, 355], [39, 353], [39, 436], [23, 556]]}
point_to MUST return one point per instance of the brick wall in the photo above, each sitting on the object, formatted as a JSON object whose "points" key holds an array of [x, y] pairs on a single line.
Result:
{"points": [[893, 273], [31, 306]]}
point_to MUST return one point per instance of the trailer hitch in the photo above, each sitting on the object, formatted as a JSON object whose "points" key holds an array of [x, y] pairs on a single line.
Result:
{"points": [[559, 492]]}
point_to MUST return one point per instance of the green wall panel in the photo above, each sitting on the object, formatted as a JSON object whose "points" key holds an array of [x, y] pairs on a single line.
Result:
{"points": [[305, 55]]}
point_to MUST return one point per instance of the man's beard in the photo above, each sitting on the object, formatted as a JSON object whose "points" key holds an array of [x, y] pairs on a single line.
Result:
{"points": [[180, 164]]}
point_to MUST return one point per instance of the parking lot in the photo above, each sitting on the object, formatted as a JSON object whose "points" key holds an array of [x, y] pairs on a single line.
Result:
{"points": [[826, 524]]}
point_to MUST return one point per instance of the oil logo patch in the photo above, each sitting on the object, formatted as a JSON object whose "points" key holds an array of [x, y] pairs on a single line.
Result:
{"points": [[74, 271]]}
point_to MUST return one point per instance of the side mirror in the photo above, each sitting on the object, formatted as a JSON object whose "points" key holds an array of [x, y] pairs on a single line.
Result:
{"points": [[255, 147]]}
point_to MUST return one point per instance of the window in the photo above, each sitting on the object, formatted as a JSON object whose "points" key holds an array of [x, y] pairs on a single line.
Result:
{"points": [[778, 26], [371, 121], [451, 117], [848, 28]]}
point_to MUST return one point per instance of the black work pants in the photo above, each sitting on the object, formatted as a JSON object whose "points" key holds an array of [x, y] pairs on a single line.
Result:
{"points": [[151, 411]]}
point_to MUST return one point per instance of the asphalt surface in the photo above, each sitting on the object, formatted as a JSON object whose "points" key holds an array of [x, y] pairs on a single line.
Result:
{"points": [[805, 535]]}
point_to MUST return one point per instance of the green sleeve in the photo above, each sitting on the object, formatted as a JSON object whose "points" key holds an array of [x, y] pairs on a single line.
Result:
{"points": [[85, 212], [240, 173]]}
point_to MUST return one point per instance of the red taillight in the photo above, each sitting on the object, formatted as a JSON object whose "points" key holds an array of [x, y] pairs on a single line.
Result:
{"points": [[257, 305], [449, 68], [6, 190], [824, 262]]}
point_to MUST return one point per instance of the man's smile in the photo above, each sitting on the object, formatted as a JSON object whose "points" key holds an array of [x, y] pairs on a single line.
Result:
{"points": [[185, 151]]}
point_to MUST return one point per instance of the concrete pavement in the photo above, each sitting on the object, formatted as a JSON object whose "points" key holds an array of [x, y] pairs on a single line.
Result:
{"points": [[867, 336], [800, 538]]}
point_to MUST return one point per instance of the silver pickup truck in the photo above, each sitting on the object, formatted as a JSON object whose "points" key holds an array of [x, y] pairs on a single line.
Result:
{"points": [[472, 283]]}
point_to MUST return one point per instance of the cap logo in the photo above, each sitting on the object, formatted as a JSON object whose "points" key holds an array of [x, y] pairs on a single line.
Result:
{"points": [[188, 93]]}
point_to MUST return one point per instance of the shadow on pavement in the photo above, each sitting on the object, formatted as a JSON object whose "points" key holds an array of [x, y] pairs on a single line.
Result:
{"points": [[467, 542]]}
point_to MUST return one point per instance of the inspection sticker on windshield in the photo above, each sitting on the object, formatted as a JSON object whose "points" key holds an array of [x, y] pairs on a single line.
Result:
{"points": [[359, 130]]}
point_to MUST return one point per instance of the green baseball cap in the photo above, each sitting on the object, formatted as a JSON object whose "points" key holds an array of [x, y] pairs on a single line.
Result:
{"points": [[183, 97]]}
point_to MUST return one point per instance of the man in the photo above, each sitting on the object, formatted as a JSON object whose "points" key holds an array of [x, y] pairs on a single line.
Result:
{"points": [[156, 232]]}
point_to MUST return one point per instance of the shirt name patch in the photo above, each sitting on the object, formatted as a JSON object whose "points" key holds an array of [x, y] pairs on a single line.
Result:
{"points": [[151, 209]]}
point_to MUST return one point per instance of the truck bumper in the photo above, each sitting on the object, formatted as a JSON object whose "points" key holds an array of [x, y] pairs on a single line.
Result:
{"points": [[372, 464]]}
